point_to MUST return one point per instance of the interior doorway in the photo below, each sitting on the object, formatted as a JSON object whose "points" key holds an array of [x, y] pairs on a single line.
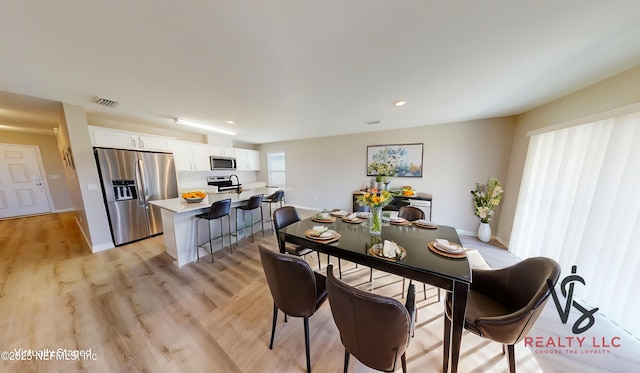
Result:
{"points": [[23, 189]]}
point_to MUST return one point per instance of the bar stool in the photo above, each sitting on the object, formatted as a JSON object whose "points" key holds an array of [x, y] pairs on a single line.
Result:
{"points": [[217, 210], [253, 203], [276, 197]]}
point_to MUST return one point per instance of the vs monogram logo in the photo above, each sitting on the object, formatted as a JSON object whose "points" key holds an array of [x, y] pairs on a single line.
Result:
{"points": [[587, 315]]}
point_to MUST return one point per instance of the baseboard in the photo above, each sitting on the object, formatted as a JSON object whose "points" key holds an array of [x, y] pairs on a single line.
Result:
{"points": [[62, 210], [103, 247], [502, 241], [94, 248]]}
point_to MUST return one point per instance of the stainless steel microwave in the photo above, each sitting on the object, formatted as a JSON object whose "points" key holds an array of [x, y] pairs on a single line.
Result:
{"points": [[222, 163]]}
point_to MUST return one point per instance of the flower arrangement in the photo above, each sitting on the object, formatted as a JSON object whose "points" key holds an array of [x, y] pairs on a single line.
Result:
{"points": [[374, 198], [486, 198]]}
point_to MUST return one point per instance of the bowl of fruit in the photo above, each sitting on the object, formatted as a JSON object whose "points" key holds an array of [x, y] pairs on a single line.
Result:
{"points": [[407, 191], [194, 197]]}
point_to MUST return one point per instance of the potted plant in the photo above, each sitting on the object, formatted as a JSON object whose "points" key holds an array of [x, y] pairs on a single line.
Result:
{"points": [[486, 197]]}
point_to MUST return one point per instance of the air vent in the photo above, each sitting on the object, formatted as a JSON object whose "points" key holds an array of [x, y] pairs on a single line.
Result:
{"points": [[373, 122], [105, 102]]}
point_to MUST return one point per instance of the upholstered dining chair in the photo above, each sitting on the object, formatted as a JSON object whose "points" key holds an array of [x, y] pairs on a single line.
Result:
{"points": [[218, 210], [254, 202], [410, 213], [285, 216], [296, 289], [503, 304], [373, 328]]}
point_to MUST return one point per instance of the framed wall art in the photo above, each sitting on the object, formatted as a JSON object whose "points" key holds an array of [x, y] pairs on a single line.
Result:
{"points": [[400, 160]]}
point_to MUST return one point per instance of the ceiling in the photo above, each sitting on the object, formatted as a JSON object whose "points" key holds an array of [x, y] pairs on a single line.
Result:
{"points": [[293, 69]]}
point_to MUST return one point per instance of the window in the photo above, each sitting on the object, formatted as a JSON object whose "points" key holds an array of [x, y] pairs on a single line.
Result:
{"points": [[579, 204], [276, 170]]}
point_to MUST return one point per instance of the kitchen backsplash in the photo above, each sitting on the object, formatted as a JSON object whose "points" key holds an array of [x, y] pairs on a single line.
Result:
{"points": [[197, 180]]}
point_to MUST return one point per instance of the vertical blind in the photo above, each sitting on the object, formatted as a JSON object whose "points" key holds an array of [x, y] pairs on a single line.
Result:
{"points": [[579, 204]]}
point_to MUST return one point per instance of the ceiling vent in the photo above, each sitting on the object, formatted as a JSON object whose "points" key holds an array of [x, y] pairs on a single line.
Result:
{"points": [[105, 102]]}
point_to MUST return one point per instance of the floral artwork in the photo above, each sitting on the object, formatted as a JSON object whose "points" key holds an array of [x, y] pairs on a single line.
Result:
{"points": [[384, 161], [486, 197]]}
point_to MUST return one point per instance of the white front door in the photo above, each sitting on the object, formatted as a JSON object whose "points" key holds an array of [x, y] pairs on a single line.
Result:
{"points": [[22, 189]]}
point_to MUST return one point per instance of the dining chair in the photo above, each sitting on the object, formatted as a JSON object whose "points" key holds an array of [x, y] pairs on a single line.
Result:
{"points": [[253, 203], [296, 289], [283, 217], [218, 210], [503, 304], [410, 213], [373, 328]]}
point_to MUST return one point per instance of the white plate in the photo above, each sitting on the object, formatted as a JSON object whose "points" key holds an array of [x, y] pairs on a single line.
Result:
{"points": [[340, 213]]}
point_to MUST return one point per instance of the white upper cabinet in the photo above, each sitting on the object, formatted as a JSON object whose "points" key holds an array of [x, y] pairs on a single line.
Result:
{"points": [[222, 151], [190, 156], [153, 142], [201, 153], [247, 159], [254, 160], [182, 155], [122, 139]]}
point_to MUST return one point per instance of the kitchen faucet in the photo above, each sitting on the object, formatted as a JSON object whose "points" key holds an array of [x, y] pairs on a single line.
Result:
{"points": [[237, 180]]}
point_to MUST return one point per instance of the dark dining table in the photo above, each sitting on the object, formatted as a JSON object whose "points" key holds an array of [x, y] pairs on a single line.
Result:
{"points": [[420, 263]]}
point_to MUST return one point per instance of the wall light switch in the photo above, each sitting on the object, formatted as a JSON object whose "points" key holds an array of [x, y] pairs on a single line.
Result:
{"points": [[92, 186]]}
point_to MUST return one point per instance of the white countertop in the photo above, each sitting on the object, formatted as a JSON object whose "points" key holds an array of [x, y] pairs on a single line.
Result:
{"points": [[179, 205]]}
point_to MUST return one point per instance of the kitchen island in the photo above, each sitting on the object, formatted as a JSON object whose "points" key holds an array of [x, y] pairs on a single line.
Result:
{"points": [[179, 222]]}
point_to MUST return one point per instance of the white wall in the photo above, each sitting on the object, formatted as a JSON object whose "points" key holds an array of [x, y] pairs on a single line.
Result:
{"points": [[88, 203], [323, 172]]}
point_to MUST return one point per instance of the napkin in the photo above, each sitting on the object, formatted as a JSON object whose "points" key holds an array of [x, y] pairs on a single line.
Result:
{"points": [[319, 229], [340, 212], [353, 216], [398, 220], [390, 249], [446, 246], [424, 222]]}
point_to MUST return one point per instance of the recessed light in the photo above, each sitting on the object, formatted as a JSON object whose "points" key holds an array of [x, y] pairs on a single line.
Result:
{"points": [[229, 122], [400, 103]]}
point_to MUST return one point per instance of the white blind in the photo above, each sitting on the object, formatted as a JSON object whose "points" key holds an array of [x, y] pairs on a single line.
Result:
{"points": [[579, 204], [276, 169]]}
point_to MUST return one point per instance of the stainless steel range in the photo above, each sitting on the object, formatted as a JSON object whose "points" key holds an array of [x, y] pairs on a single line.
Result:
{"points": [[224, 183]]}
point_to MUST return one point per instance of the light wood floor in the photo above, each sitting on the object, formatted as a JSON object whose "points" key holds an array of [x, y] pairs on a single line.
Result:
{"points": [[136, 311]]}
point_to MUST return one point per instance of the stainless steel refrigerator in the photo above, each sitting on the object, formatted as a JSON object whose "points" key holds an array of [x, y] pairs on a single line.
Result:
{"points": [[130, 179]]}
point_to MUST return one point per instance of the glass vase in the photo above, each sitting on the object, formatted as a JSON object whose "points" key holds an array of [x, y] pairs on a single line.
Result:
{"points": [[375, 220]]}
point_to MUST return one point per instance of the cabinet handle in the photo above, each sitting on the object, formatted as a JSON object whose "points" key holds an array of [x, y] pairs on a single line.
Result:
{"points": [[141, 143], [133, 141]]}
